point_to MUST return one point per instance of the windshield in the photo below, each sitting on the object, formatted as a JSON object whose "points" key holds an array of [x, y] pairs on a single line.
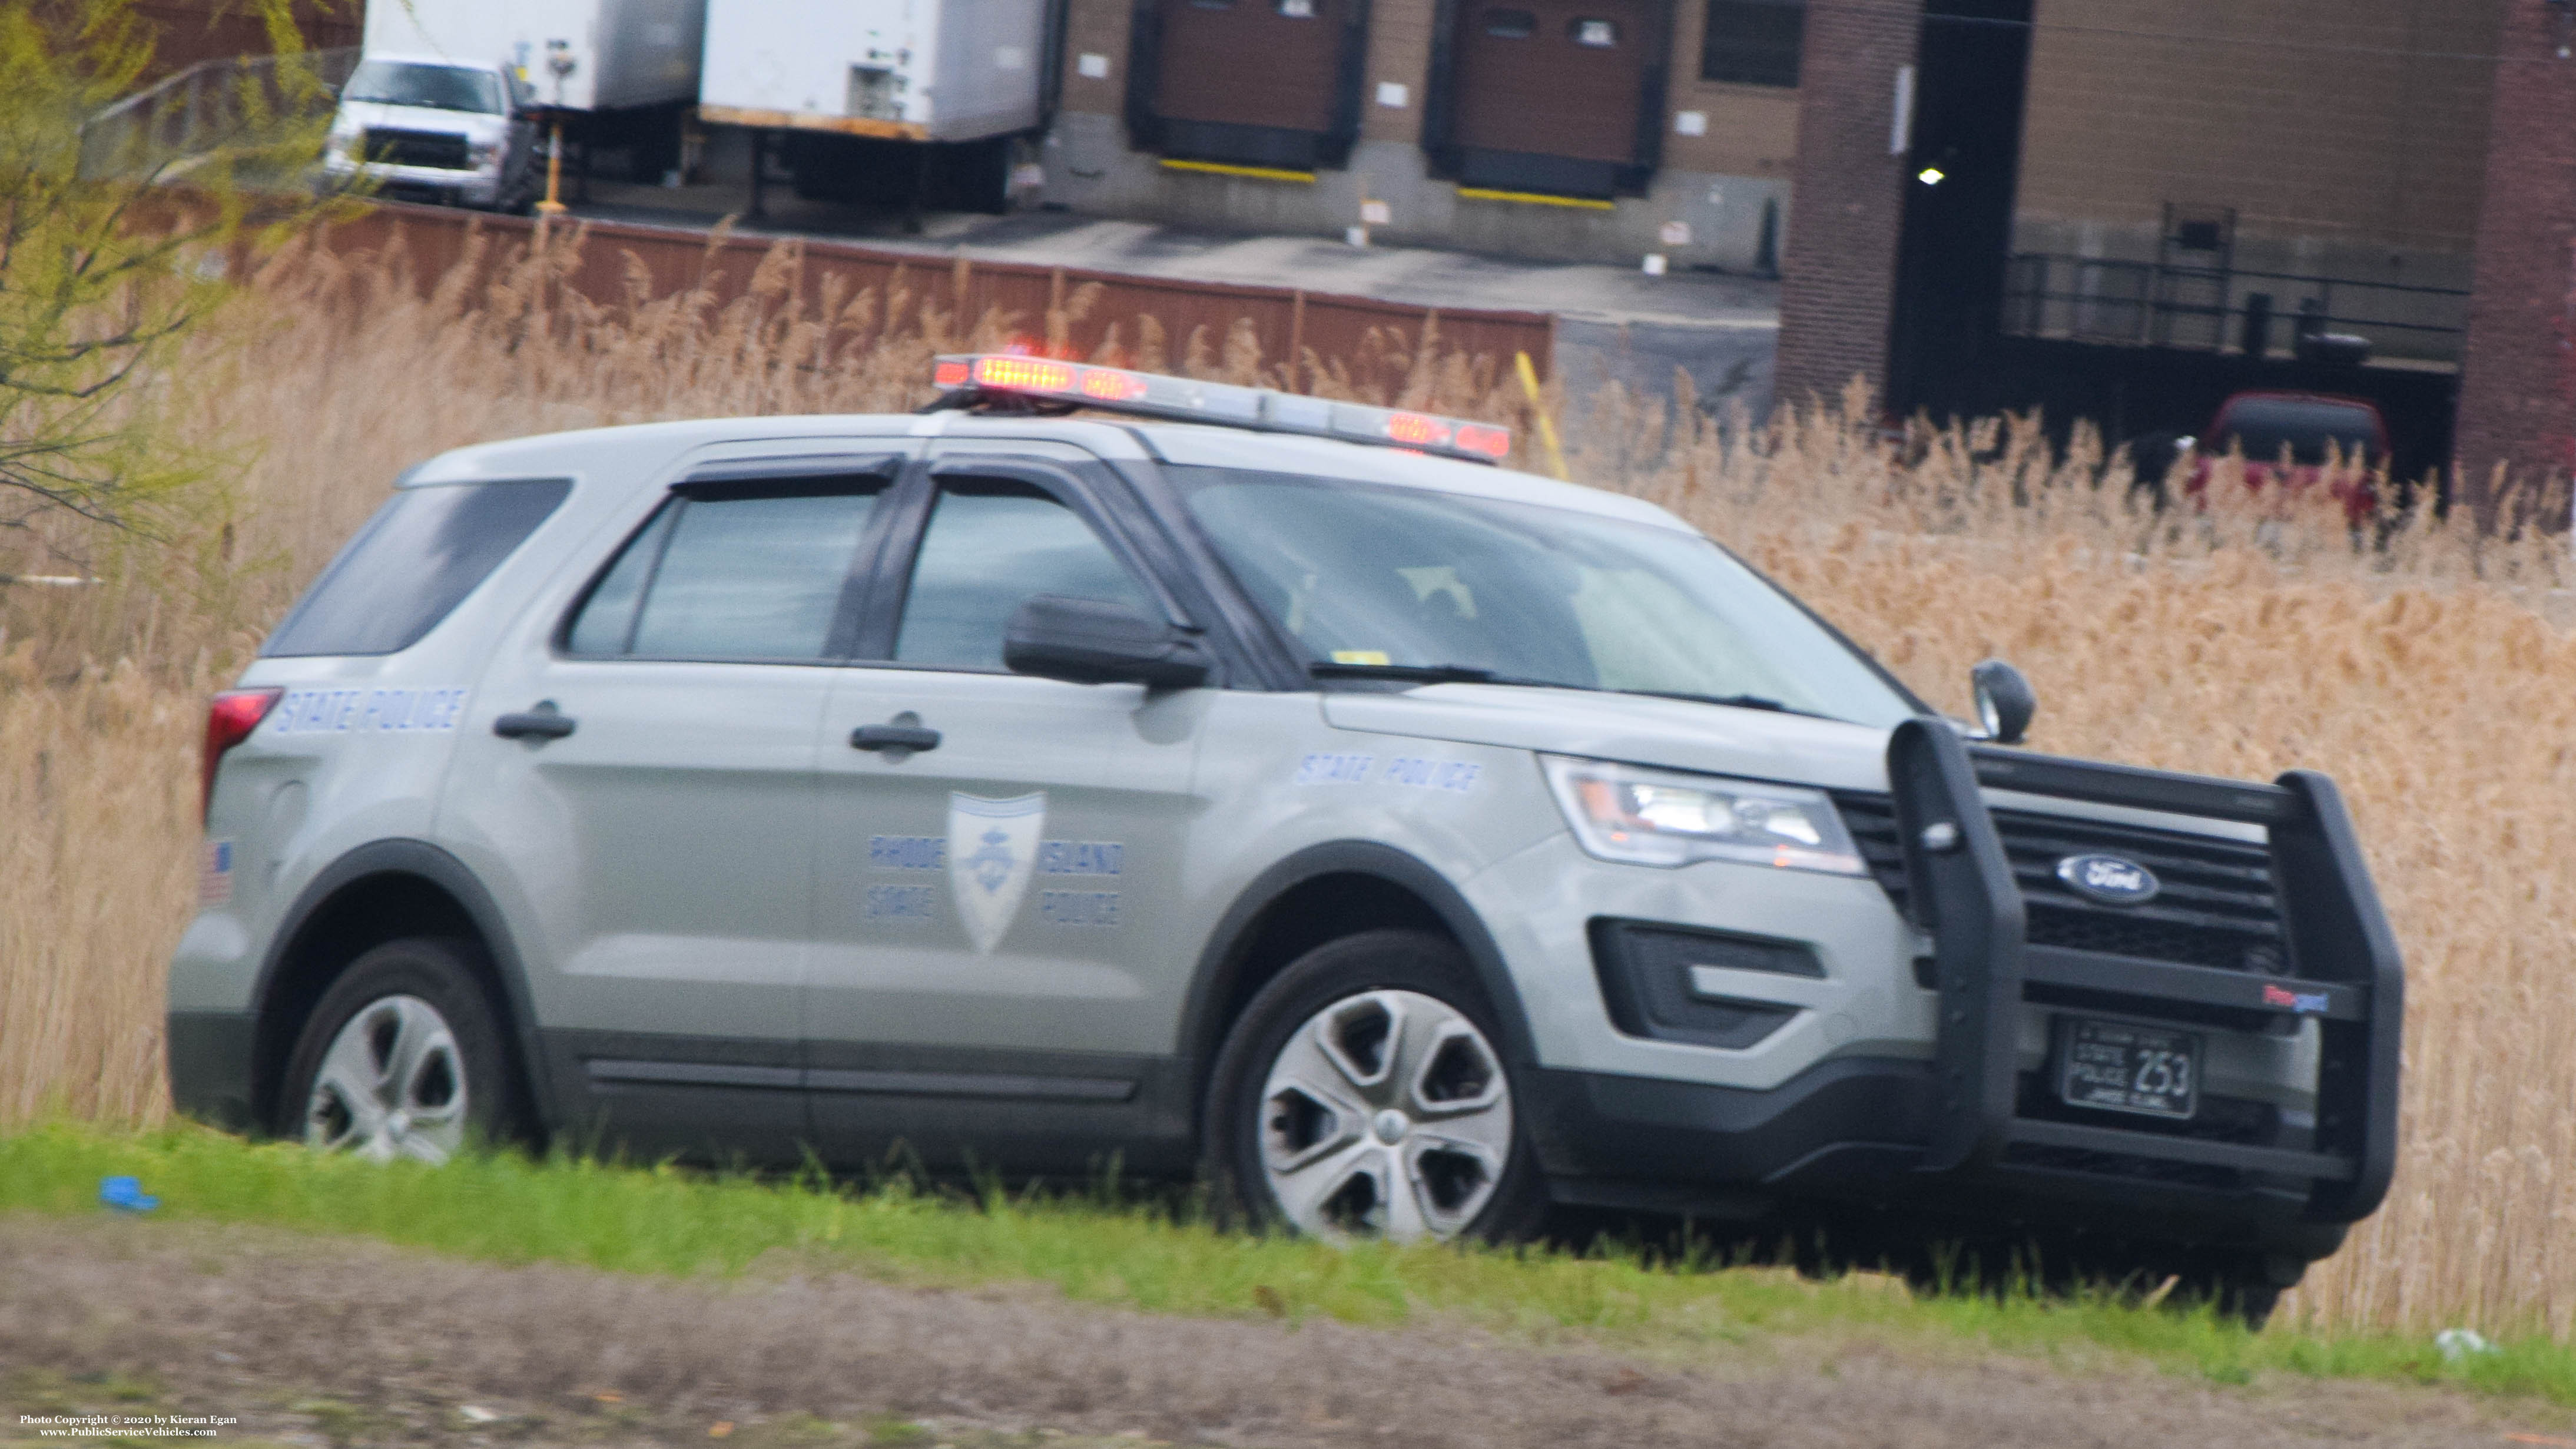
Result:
{"points": [[2262, 426], [437, 87], [1365, 575]]}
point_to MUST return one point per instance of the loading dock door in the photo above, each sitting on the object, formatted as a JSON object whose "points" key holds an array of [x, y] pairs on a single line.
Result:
{"points": [[1547, 93], [1253, 82]]}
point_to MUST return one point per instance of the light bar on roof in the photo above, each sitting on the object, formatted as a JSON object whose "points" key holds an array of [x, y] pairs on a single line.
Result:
{"points": [[1261, 409]]}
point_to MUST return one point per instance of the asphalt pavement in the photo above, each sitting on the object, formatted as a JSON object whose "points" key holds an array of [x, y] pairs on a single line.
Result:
{"points": [[1615, 323]]}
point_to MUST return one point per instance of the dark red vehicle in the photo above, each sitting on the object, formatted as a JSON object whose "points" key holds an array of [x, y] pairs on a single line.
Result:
{"points": [[2319, 433]]}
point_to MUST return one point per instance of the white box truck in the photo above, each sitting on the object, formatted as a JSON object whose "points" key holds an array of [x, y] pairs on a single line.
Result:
{"points": [[884, 100], [620, 75]]}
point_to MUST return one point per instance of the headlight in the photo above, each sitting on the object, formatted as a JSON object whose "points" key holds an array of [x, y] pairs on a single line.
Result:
{"points": [[482, 152], [1652, 817]]}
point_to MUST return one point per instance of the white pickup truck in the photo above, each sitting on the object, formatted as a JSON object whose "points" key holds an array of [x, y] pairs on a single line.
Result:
{"points": [[454, 132]]}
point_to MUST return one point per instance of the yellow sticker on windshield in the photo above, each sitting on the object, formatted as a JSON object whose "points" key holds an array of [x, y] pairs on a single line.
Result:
{"points": [[1360, 656]]}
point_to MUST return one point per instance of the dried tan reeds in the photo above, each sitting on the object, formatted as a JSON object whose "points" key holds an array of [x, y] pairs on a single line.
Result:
{"points": [[2420, 669]]}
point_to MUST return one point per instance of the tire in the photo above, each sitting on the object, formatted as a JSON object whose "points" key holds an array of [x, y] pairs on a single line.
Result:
{"points": [[1362, 1094], [403, 1058], [2244, 1286]]}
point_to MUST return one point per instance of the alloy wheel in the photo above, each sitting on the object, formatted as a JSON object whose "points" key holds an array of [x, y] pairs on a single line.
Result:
{"points": [[392, 1085], [1387, 1114]]}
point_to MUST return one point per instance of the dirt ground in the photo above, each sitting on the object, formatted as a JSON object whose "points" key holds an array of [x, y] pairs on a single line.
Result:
{"points": [[322, 1341]]}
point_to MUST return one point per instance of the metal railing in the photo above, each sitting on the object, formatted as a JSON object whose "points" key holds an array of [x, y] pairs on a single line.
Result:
{"points": [[240, 104], [2096, 299]]}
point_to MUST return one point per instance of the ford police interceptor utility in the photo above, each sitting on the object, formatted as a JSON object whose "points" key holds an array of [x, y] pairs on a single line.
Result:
{"points": [[1240, 782]]}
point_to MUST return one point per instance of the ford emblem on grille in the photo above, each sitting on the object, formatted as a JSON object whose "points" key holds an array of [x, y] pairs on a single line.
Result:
{"points": [[2109, 879]]}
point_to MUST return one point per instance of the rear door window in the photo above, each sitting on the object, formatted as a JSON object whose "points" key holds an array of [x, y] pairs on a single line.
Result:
{"points": [[412, 564], [760, 572]]}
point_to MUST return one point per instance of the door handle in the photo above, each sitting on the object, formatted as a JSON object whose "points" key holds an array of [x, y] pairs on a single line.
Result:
{"points": [[893, 737], [545, 722]]}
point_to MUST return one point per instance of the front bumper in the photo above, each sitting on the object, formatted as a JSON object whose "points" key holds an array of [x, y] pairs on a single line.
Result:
{"points": [[1852, 1132], [481, 187]]}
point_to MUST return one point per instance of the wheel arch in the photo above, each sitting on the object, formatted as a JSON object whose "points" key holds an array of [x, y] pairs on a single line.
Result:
{"points": [[1320, 894], [383, 891]]}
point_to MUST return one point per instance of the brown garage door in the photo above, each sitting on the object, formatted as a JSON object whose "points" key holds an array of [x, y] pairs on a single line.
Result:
{"points": [[1249, 80], [1541, 81]]}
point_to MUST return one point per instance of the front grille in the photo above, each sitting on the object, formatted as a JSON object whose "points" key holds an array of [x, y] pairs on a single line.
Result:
{"points": [[440, 149], [2217, 907]]}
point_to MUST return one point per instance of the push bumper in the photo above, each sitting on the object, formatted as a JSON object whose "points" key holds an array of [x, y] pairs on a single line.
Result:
{"points": [[1969, 1130]]}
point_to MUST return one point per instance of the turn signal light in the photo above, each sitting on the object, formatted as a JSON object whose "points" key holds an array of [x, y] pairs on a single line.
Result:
{"points": [[1416, 430], [1032, 374], [230, 717], [1111, 385]]}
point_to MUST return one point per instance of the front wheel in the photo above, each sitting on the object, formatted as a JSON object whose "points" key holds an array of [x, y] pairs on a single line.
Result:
{"points": [[1361, 1095], [402, 1058]]}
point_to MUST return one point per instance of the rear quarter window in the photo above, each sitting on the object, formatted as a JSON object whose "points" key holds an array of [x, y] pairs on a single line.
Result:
{"points": [[412, 564]]}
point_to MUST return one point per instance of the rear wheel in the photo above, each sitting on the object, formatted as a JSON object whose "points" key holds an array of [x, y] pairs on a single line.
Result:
{"points": [[1362, 1095], [402, 1058]]}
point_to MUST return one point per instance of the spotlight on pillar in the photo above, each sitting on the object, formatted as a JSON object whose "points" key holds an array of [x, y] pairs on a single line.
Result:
{"points": [[1931, 176]]}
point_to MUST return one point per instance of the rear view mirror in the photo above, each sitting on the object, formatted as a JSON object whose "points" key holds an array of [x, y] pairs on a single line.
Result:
{"points": [[2005, 701], [1090, 641]]}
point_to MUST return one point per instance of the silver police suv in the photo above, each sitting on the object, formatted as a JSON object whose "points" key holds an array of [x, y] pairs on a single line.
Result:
{"points": [[1237, 782]]}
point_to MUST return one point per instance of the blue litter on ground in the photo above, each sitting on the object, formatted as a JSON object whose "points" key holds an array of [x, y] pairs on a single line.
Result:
{"points": [[126, 1194]]}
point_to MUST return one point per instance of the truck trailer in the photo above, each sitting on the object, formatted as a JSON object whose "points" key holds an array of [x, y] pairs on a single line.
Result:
{"points": [[907, 102], [619, 76]]}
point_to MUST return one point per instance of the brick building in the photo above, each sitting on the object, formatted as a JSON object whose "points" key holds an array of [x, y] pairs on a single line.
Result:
{"points": [[2126, 209], [189, 31]]}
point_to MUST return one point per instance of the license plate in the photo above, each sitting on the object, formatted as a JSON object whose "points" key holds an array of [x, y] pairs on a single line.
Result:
{"points": [[2116, 1067]]}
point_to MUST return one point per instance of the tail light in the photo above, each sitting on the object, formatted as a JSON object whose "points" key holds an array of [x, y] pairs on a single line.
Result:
{"points": [[230, 717]]}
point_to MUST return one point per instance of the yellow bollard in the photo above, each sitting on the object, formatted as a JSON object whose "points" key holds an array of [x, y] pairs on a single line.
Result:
{"points": [[552, 206], [1538, 409]]}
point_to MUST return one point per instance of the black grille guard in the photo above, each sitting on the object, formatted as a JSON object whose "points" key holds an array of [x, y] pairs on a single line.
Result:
{"points": [[1962, 891]]}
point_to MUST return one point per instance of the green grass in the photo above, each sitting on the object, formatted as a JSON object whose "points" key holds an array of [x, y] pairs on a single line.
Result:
{"points": [[509, 1209]]}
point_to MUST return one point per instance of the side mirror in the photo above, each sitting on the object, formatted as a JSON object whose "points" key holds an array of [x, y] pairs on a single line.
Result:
{"points": [[1090, 641], [2005, 702]]}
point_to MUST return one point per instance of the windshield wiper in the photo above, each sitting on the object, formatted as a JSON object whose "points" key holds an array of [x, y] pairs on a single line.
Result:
{"points": [[1428, 674], [1735, 701], [1476, 674]]}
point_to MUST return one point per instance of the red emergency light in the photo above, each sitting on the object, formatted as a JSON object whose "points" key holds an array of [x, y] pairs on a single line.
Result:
{"points": [[976, 377]]}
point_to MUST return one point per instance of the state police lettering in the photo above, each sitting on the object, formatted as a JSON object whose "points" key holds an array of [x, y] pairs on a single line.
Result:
{"points": [[1095, 858], [1080, 857], [1078, 908], [1458, 777], [365, 711], [899, 903]]}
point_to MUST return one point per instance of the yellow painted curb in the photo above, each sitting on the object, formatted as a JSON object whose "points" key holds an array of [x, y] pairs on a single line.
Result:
{"points": [[1530, 198], [1257, 173]]}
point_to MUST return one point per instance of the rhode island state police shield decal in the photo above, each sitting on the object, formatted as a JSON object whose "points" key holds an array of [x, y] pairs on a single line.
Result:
{"points": [[992, 853]]}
